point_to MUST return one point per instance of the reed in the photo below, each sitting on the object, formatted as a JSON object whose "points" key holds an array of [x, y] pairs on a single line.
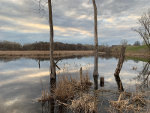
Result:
{"points": [[68, 87], [137, 102], [85, 104]]}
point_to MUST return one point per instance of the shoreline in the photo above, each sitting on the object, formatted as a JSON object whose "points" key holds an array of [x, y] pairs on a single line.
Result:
{"points": [[63, 54], [44, 54]]}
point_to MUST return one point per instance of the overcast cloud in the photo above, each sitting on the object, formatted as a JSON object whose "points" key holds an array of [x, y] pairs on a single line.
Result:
{"points": [[22, 21]]}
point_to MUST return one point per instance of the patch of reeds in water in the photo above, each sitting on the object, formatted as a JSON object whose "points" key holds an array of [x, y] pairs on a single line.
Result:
{"points": [[83, 104], [69, 92], [67, 88], [136, 102]]}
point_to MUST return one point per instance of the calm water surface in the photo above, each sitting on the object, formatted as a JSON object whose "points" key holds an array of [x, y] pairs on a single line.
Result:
{"points": [[21, 80]]}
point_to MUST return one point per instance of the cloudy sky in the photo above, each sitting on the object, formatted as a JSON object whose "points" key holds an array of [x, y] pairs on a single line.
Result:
{"points": [[22, 21]]}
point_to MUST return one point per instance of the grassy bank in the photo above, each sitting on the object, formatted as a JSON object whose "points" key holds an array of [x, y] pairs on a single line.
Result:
{"points": [[138, 51], [135, 49]]}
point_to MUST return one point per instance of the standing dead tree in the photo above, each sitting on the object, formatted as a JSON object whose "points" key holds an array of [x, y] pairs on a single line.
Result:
{"points": [[52, 64], [144, 29], [119, 67], [51, 45], [95, 73]]}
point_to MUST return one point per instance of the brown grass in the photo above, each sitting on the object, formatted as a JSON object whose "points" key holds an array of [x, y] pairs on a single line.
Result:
{"points": [[71, 93], [85, 104], [44, 54], [137, 102], [67, 88], [140, 55]]}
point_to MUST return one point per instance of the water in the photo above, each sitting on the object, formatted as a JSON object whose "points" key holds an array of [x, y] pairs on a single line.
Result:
{"points": [[21, 80]]}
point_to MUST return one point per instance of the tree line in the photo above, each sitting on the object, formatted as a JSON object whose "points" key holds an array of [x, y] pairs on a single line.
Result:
{"points": [[43, 46]]}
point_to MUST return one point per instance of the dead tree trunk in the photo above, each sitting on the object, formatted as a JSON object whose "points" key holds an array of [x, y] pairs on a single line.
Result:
{"points": [[95, 26], [119, 67], [52, 64], [95, 73]]}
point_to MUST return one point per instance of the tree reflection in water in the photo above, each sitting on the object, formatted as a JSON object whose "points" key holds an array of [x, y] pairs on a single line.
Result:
{"points": [[143, 76], [48, 106]]}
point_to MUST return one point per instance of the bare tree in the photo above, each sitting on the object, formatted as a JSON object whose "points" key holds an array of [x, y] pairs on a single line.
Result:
{"points": [[51, 45], [144, 29], [95, 73], [52, 64], [119, 65], [95, 26]]}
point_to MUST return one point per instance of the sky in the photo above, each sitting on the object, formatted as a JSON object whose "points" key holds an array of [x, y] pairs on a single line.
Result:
{"points": [[24, 21]]}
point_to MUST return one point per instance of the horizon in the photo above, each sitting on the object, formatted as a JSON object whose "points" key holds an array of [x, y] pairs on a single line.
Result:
{"points": [[68, 43]]}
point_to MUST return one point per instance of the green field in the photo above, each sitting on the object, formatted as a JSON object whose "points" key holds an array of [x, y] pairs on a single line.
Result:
{"points": [[137, 49], [138, 53]]}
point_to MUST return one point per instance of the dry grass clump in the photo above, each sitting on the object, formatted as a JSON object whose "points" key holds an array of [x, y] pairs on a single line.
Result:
{"points": [[84, 104], [69, 92], [67, 88], [135, 103], [84, 84]]}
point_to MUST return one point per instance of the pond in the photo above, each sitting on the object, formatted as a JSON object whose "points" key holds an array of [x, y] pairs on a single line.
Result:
{"points": [[22, 80]]}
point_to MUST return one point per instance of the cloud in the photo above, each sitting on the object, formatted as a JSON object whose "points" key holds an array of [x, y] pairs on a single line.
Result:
{"points": [[72, 20], [24, 26]]}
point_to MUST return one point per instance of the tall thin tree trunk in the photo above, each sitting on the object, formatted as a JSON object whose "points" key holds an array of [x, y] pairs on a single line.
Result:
{"points": [[52, 64], [95, 26], [95, 73]]}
